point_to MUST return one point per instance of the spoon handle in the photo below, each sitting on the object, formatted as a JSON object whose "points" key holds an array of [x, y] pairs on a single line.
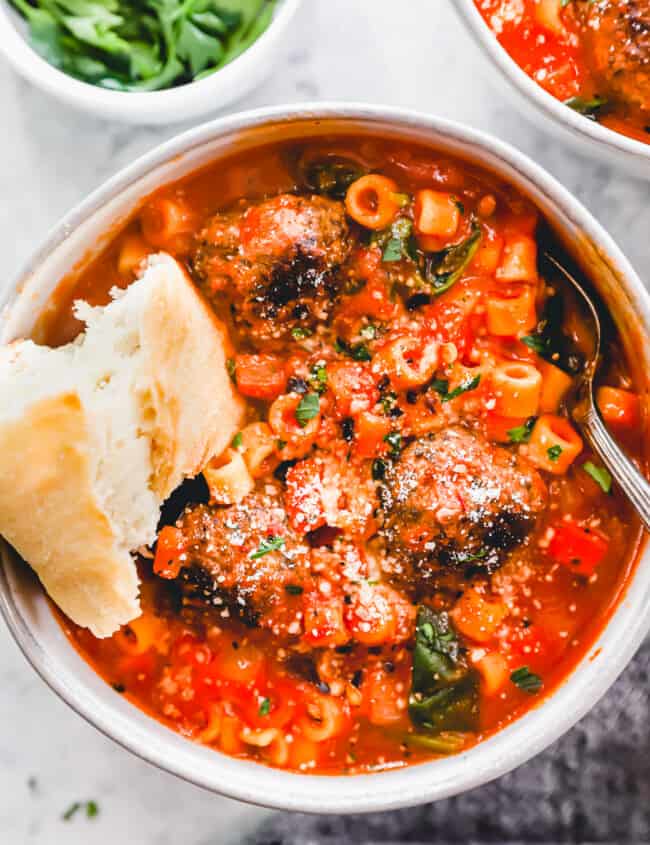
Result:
{"points": [[624, 472]]}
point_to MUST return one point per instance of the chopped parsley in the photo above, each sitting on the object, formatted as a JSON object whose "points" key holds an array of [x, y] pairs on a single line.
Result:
{"points": [[293, 589], [600, 475], [358, 352], [394, 440], [378, 470], [526, 680], [554, 452], [268, 544], [237, 440], [91, 808], [307, 409], [369, 332], [521, 433], [318, 378], [265, 707], [299, 333], [441, 386], [230, 366], [444, 268], [589, 107]]}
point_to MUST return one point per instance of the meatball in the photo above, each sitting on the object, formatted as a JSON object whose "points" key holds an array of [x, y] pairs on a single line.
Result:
{"points": [[246, 561], [617, 43], [277, 260], [454, 500]]}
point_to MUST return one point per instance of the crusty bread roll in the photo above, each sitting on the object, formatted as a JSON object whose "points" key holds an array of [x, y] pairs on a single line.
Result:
{"points": [[96, 434]]}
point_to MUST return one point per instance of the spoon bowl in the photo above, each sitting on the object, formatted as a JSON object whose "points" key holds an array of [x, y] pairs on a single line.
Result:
{"points": [[586, 415]]}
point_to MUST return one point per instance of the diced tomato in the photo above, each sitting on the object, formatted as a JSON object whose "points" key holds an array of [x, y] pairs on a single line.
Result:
{"points": [[618, 407], [451, 323], [304, 497], [373, 300], [528, 645], [353, 387], [580, 549], [370, 431], [323, 620], [382, 698], [497, 427], [260, 376], [170, 546]]}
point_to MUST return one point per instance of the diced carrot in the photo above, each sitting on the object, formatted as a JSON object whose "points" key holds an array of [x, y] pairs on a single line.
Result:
{"points": [[370, 431], [618, 407], [260, 376], [477, 618], [580, 549]]}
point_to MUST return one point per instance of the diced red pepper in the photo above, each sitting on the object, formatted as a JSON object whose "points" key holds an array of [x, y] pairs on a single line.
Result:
{"points": [[171, 544], [580, 549]]}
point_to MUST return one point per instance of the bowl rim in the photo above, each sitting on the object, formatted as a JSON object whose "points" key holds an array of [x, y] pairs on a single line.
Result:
{"points": [[132, 104], [621, 145], [508, 748]]}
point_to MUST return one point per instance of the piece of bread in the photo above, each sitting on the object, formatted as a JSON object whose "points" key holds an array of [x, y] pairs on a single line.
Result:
{"points": [[96, 434]]}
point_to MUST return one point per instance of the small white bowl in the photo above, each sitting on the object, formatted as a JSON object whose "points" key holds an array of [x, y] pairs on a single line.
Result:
{"points": [[155, 107], [85, 230], [587, 136]]}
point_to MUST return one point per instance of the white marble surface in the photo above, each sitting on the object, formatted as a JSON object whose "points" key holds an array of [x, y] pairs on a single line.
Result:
{"points": [[411, 53]]}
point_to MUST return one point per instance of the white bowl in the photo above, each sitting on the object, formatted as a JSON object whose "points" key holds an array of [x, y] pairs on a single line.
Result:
{"points": [[155, 107], [586, 135], [29, 616]]}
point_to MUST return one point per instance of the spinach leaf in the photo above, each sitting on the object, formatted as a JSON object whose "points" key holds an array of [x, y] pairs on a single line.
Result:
{"points": [[330, 176], [443, 689], [397, 241], [443, 269]]}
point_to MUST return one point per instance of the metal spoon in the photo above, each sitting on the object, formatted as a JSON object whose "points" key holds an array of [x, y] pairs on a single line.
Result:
{"points": [[586, 415]]}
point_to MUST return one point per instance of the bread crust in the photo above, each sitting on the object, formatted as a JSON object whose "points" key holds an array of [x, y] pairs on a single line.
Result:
{"points": [[46, 496]]}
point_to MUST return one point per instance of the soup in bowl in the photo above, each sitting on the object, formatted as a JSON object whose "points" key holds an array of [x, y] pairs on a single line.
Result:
{"points": [[407, 561]]}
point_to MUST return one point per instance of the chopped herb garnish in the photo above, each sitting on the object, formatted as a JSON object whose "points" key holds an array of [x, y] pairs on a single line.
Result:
{"points": [[307, 409], [521, 433], [268, 544], [394, 440], [600, 475], [554, 452], [331, 176], [358, 352], [388, 401], [237, 440], [265, 707], [537, 344], [396, 246], [318, 378], [299, 333], [70, 812], [92, 809], [441, 386], [590, 107], [369, 332], [281, 444], [293, 589], [230, 366], [526, 680]]}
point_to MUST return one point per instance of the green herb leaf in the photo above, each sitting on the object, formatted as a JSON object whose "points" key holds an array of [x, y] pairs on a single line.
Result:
{"points": [[231, 367], [444, 268], [441, 386], [70, 812], [554, 452], [521, 433], [331, 176], [92, 809], [443, 689], [265, 707], [526, 680], [268, 544], [358, 352], [396, 246], [600, 475], [237, 440], [299, 333], [318, 378], [378, 470], [307, 409], [590, 107], [394, 440], [446, 742], [293, 589], [551, 343]]}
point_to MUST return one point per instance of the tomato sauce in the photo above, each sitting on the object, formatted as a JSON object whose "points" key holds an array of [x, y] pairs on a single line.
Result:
{"points": [[408, 545], [595, 57]]}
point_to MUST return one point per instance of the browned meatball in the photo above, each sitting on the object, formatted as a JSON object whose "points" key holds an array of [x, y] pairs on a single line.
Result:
{"points": [[453, 499], [245, 560], [617, 42], [277, 260]]}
